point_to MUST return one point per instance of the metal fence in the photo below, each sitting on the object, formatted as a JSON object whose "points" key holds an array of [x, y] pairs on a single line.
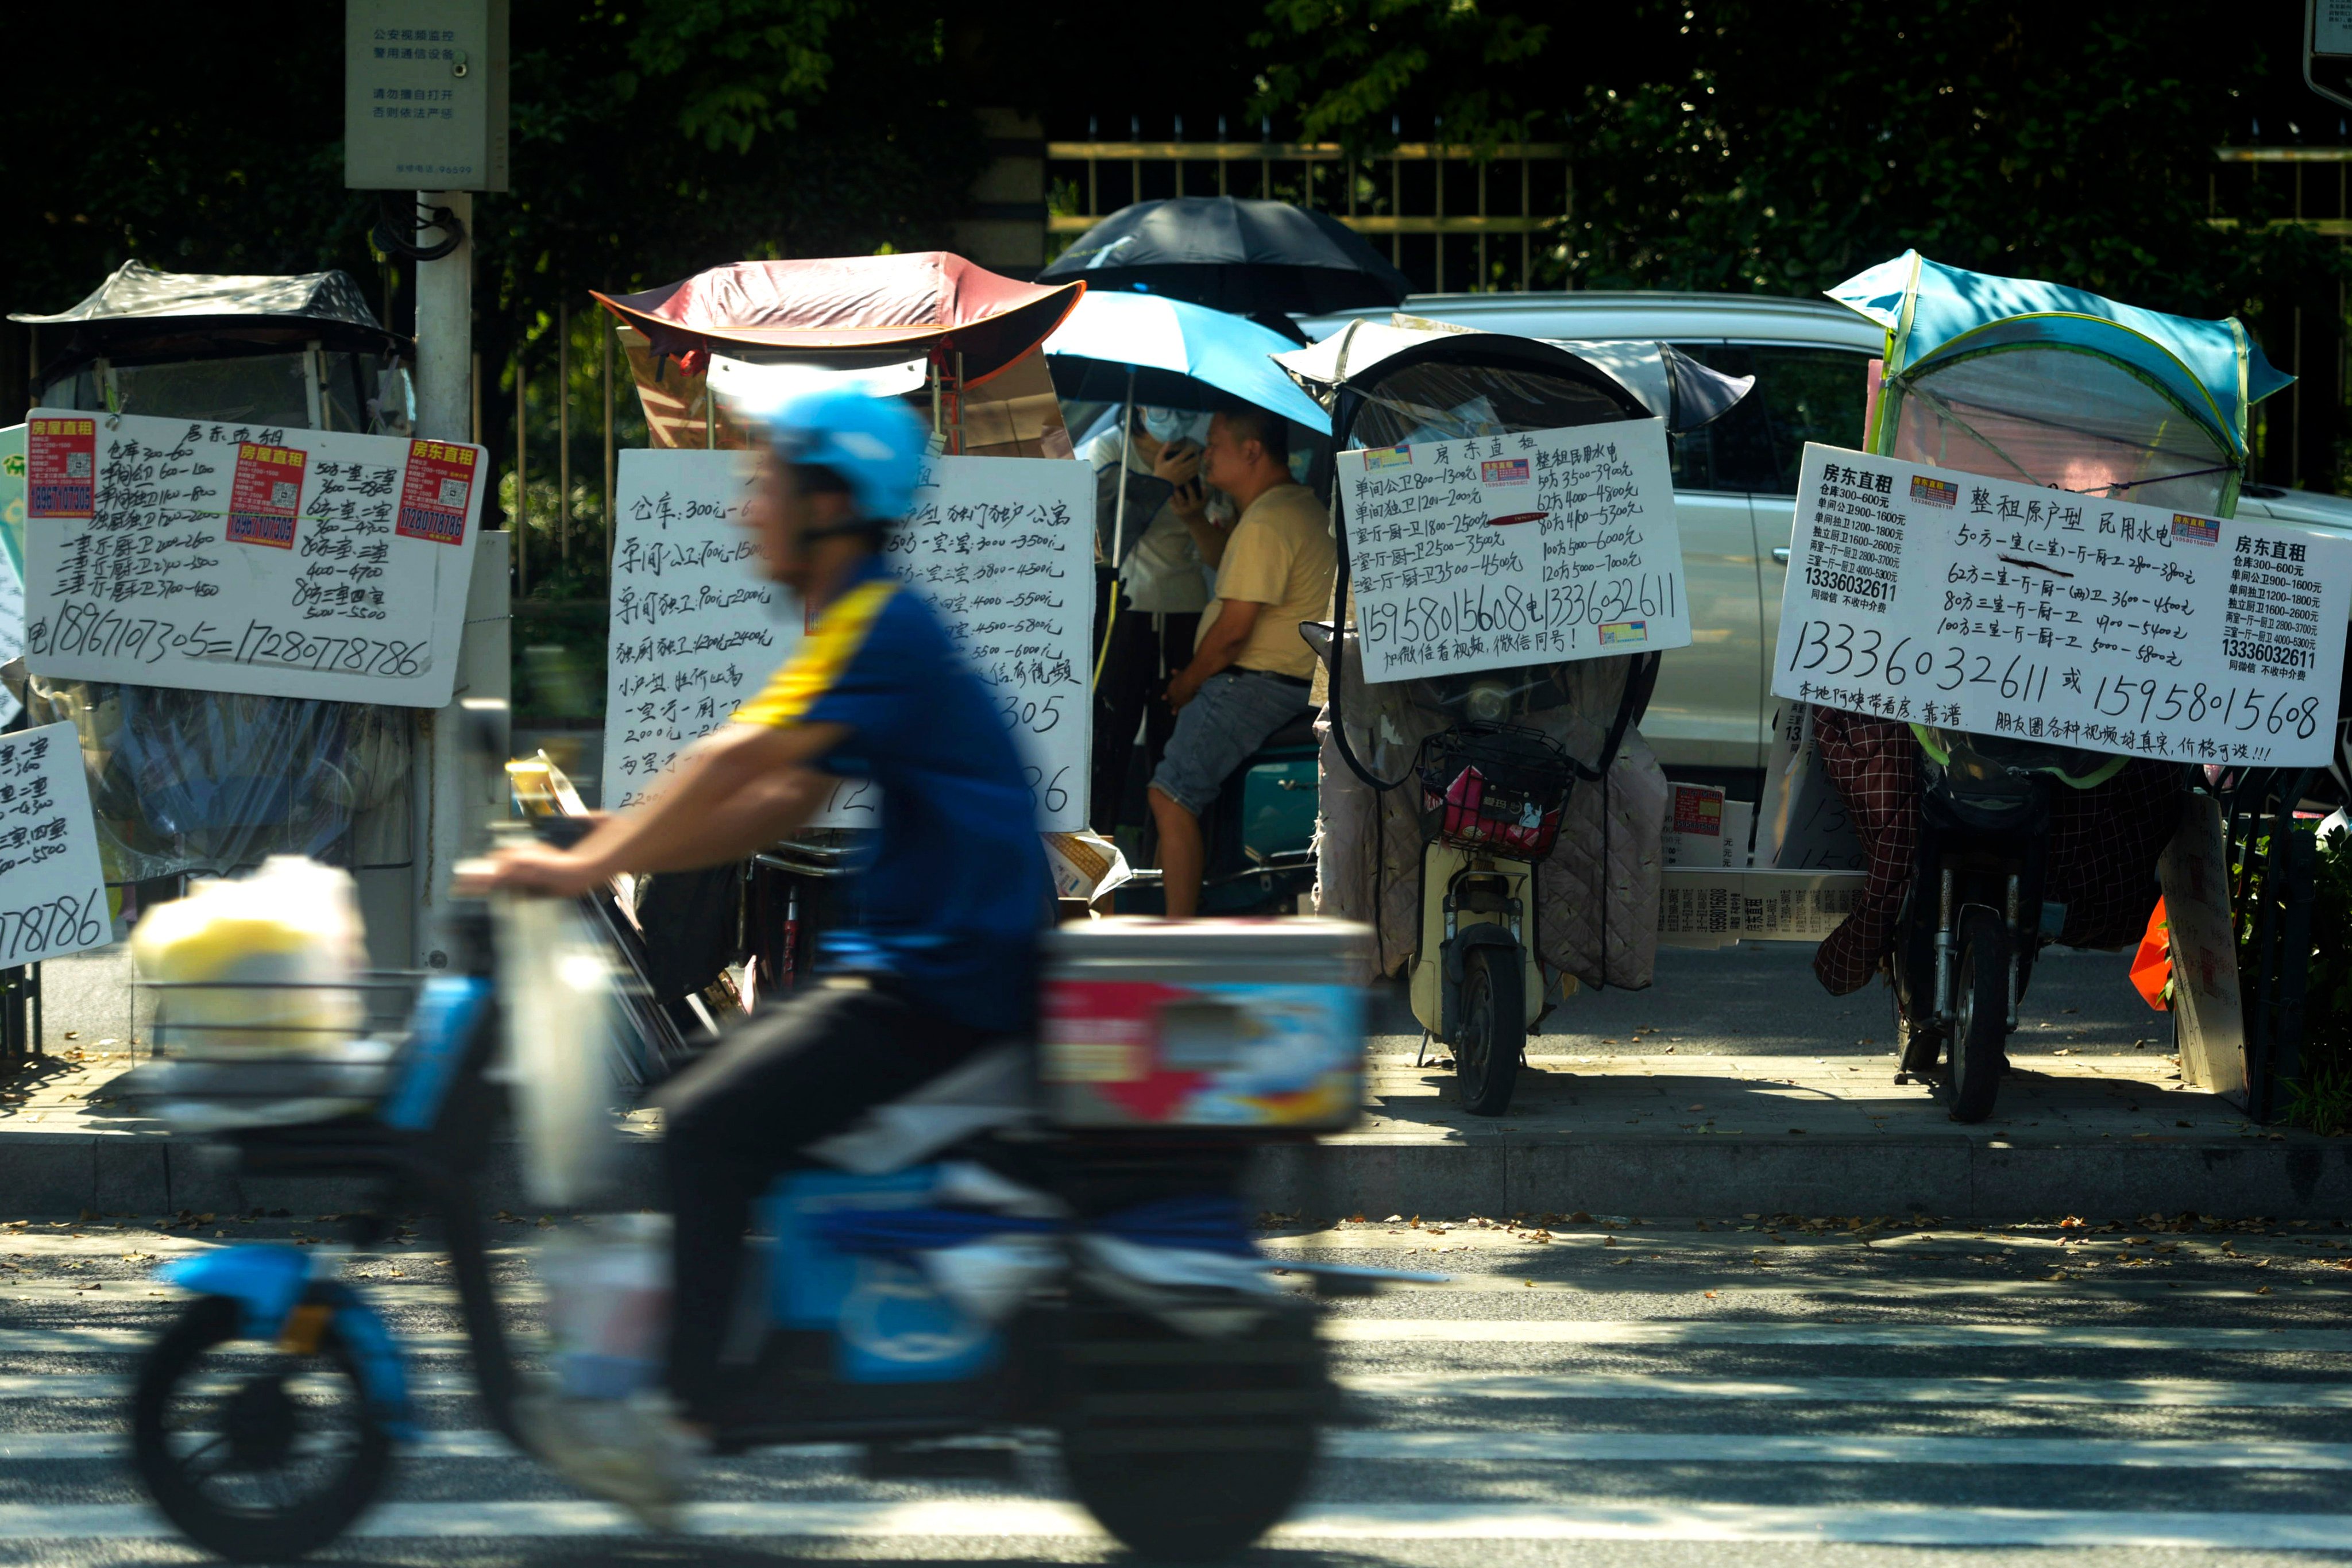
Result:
{"points": [[1453, 217]]}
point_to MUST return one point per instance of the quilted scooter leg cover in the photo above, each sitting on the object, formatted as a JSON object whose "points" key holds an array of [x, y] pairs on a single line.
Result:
{"points": [[2103, 844], [1598, 917]]}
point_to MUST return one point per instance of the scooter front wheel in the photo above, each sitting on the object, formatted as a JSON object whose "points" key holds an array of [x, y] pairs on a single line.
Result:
{"points": [[1980, 1014], [260, 1455], [1493, 1028]]}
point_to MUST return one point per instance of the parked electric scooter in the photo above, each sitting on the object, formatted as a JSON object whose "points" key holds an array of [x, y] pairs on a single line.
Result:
{"points": [[2026, 381], [1188, 1387], [1482, 753], [1974, 916]]}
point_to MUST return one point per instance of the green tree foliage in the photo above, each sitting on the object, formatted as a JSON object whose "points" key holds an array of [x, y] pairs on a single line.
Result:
{"points": [[1346, 67], [1751, 146]]}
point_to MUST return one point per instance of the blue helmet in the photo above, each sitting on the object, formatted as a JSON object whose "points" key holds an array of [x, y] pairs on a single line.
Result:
{"points": [[874, 444]]}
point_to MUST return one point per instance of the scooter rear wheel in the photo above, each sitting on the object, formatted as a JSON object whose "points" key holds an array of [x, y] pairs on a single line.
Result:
{"points": [[265, 1462], [1189, 1448], [1494, 1030], [1980, 1014]]}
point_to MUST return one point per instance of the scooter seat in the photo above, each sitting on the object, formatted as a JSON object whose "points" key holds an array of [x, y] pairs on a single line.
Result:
{"points": [[994, 1089]]}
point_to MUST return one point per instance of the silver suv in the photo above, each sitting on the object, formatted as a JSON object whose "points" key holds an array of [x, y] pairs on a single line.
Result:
{"points": [[1736, 484]]}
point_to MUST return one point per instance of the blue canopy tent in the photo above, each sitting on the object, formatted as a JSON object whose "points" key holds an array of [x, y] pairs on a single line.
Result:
{"points": [[2142, 406]]}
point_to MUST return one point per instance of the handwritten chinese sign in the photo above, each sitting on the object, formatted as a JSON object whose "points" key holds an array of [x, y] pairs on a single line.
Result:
{"points": [[1001, 546], [1507, 549], [1945, 598], [695, 628], [52, 891], [233, 557]]}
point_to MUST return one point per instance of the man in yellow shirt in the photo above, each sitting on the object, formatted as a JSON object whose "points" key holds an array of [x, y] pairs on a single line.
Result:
{"points": [[1250, 669]]}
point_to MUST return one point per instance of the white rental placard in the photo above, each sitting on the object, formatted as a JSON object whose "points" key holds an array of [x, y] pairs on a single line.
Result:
{"points": [[271, 561], [52, 888], [1506, 549], [1002, 547], [1944, 597], [695, 627]]}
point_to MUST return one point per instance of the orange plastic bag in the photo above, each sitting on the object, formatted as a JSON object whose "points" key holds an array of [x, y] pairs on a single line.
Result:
{"points": [[2151, 970]]}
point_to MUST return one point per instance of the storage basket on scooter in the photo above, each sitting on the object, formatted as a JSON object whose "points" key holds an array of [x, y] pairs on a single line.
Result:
{"points": [[1496, 787], [231, 1054]]}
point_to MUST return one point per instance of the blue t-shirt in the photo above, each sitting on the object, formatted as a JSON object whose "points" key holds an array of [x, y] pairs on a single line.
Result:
{"points": [[958, 888]]}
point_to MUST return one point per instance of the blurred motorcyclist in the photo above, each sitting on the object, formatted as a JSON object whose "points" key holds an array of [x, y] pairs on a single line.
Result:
{"points": [[943, 959]]}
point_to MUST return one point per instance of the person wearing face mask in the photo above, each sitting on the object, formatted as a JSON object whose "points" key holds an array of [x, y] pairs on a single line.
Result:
{"points": [[1167, 549]]}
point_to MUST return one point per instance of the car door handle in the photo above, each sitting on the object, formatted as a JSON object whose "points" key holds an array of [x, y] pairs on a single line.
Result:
{"points": [[1782, 554]]}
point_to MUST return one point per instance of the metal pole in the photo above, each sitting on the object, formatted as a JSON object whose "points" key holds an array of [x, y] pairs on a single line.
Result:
{"points": [[474, 429], [564, 433], [1118, 508], [1438, 152], [521, 522], [450, 811], [1526, 215], [606, 334]]}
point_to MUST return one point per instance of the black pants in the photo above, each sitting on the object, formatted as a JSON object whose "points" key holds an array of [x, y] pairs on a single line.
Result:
{"points": [[786, 1079]]}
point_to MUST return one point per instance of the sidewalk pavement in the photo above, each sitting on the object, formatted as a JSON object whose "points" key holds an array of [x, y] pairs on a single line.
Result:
{"points": [[1732, 1085]]}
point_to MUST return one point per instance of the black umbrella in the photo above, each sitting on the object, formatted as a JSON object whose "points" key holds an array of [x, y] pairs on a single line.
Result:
{"points": [[1256, 259]]}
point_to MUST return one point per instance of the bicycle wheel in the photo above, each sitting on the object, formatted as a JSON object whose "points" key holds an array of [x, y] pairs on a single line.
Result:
{"points": [[257, 1454]]}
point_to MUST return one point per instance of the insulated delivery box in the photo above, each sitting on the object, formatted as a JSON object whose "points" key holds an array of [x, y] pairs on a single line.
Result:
{"points": [[1208, 1023]]}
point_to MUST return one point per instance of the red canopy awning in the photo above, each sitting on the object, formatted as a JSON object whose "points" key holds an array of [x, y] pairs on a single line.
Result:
{"points": [[849, 311]]}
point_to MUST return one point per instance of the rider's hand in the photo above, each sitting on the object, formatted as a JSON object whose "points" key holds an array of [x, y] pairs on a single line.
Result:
{"points": [[1182, 688], [530, 868], [1178, 463]]}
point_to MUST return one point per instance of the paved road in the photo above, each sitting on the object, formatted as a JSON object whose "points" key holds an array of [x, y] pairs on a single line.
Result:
{"points": [[1621, 1394]]}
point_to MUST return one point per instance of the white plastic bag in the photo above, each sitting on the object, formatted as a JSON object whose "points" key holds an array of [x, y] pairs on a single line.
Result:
{"points": [[269, 962], [555, 978], [608, 1294]]}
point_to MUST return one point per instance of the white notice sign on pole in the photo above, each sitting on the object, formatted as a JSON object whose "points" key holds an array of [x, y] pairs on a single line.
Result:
{"points": [[1002, 547], [1506, 549], [266, 559], [52, 889], [1946, 598]]}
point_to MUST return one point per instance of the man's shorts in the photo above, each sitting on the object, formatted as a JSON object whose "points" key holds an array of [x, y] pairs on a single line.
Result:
{"points": [[1228, 718]]}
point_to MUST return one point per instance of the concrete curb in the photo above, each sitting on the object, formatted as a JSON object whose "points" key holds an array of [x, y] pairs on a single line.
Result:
{"points": [[64, 1173]]}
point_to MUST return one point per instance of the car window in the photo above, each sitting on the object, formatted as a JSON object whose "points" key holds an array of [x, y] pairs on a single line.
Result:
{"points": [[1802, 394]]}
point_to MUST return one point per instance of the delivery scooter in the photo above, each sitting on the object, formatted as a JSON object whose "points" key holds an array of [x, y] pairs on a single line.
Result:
{"points": [[1013, 1247]]}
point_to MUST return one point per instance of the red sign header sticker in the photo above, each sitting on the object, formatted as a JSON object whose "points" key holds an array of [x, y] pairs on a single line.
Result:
{"points": [[438, 489], [61, 468], [264, 493]]}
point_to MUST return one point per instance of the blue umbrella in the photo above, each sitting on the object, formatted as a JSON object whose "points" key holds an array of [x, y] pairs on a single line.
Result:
{"points": [[1147, 348]]}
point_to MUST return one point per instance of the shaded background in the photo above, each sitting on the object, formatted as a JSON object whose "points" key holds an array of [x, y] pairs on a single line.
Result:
{"points": [[1741, 147]]}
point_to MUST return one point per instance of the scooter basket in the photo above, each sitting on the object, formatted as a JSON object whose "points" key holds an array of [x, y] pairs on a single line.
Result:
{"points": [[237, 1055], [1496, 787]]}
